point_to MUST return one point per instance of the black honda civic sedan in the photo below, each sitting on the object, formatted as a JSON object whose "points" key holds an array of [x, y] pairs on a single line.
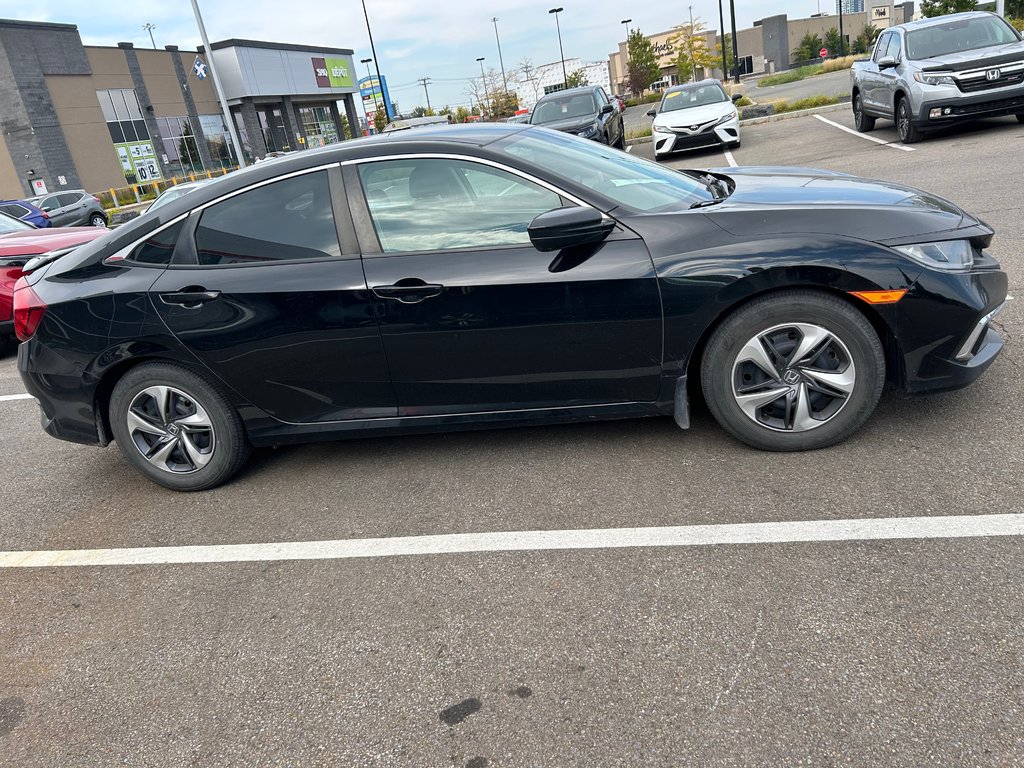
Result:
{"points": [[494, 275]]}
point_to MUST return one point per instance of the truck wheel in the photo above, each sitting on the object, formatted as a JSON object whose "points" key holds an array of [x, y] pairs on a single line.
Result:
{"points": [[861, 121], [904, 124]]}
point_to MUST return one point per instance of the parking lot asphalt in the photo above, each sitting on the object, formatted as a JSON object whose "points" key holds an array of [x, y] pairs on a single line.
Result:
{"points": [[866, 653]]}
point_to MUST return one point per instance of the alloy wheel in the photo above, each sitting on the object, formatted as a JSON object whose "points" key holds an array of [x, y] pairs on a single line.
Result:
{"points": [[171, 430], [793, 377], [903, 121]]}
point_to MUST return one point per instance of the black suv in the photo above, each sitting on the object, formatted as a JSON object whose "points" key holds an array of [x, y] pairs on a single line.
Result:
{"points": [[586, 112]]}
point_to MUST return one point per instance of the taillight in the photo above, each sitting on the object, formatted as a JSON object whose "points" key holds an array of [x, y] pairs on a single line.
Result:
{"points": [[45, 214], [28, 310]]}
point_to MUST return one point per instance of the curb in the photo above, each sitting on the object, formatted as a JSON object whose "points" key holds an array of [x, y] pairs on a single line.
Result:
{"points": [[769, 119]]}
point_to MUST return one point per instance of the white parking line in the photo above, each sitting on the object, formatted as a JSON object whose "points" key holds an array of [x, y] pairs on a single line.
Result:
{"points": [[865, 136], [15, 397], [871, 529], [629, 148], [730, 159]]}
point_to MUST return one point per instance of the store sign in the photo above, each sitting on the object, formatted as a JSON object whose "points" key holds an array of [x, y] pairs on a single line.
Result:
{"points": [[138, 161], [332, 73]]}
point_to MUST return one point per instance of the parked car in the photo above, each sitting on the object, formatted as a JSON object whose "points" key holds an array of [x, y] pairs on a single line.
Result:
{"points": [[619, 102], [173, 193], [586, 112], [929, 74], [73, 208], [524, 118], [470, 277], [23, 210], [20, 242], [695, 116]]}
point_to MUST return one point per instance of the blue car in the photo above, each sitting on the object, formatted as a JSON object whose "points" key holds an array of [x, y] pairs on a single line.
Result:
{"points": [[21, 209]]}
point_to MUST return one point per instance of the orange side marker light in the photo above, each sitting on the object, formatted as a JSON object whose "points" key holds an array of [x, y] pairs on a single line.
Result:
{"points": [[880, 297]]}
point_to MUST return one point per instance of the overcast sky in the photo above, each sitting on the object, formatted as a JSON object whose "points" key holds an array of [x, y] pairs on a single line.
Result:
{"points": [[414, 38]]}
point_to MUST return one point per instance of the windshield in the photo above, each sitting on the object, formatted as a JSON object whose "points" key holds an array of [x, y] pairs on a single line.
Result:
{"points": [[959, 35], [10, 224], [626, 179], [694, 96], [564, 108]]}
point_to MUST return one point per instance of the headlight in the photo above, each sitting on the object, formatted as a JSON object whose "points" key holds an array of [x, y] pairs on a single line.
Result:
{"points": [[726, 118], [590, 130], [934, 78], [948, 254]]}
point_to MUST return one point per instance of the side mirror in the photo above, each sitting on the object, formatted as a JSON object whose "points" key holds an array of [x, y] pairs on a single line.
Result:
{"points": [[46, 209], [886, 62], [607, 109], [736, 97], [652, 113], [566, 227]]}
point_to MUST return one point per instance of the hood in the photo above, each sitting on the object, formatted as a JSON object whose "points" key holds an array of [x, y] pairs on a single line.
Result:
{"points": [[809, 201], [571, 124], [36, 241], [979, 58], [691, 116]]}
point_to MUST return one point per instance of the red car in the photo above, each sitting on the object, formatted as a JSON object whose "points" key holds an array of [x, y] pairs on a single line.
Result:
{"points": [[19, 242]]}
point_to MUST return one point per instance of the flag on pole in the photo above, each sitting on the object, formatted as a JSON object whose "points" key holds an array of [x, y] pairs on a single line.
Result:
{"points": [[199, 68]]}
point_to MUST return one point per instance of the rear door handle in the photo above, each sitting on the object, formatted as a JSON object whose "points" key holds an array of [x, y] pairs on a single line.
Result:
{"points": [[409, 290], [189, 297]]}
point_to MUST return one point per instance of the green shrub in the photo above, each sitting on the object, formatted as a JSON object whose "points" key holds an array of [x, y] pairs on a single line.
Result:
{"points": [[744, 102], [808, 103], [1018, 24], [638, 133], [790, 75]]}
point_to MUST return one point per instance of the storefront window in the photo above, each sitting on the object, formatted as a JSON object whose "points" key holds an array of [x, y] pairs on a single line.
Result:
{"points": [[128, 132], [318, 125], [181, 145]]}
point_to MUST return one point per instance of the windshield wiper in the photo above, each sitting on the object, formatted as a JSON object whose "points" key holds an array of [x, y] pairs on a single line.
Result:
{"points": [[718, 188], [706, 203]]}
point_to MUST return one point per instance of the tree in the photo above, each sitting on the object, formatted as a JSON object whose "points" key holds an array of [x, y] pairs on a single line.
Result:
{"points": [[692, 51], [833, 42], [808, 49], [866, 39], [461, 113], [931, 8], [643, 62], [380, 119], [188, 150], [577, 78], [729, 63]]}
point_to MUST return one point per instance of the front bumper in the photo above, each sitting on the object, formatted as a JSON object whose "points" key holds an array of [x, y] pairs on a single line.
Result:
{"points": [[944, 327], [956, 107], [667, 141]]}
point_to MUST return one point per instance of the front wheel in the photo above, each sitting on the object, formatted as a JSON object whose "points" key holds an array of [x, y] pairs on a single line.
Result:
{"points": [[861, 121], [793, 371], [904, 124], [176, 427]]}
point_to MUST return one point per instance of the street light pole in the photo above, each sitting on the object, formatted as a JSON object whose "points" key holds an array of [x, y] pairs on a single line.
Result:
{"points": [[376, 64], [625, 67], [693, 60], [216, 84], [556, 11], [842, 37], [504, 80], [483, 79], [721, 26], [735, 45], [149, 28], [369, 77]]}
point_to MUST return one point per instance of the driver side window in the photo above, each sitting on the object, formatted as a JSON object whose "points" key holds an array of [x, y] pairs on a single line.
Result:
{"points": [[429, 204]]}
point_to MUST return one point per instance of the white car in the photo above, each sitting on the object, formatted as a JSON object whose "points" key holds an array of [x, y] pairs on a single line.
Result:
{"points": [[695, 116]]}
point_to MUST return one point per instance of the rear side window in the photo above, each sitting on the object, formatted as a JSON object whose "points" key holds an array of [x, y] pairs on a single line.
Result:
{"points": [[68, 198], [287, 220], [17, 211], [158, 248]]}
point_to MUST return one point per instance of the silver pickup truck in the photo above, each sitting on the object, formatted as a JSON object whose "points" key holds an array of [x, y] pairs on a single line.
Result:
{"points": [[930, 73]]}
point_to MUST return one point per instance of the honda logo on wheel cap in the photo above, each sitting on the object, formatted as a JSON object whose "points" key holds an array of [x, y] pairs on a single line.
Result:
{"points": [[791, 377], [993, 74]]}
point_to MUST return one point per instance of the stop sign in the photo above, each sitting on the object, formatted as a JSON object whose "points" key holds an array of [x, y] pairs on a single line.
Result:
{"points": [[823, 52]]}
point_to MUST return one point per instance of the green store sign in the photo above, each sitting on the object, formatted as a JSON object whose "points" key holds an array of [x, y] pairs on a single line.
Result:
{"points": [[332, 72]]}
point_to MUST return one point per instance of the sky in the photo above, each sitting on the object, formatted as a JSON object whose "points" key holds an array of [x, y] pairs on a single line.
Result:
{"points": [[413, 38]]}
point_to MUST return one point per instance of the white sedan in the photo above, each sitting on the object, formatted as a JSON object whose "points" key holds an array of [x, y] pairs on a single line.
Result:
{"points": [[695, 116]]}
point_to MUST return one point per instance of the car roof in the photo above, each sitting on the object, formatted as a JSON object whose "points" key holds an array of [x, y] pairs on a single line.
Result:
{"points": [[568, 92], [937, 21]]}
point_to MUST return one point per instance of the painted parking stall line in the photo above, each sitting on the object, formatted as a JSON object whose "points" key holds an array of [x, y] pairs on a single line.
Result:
{"points": [[810, 531], [24, 396], [730, 159], [852, 132]]}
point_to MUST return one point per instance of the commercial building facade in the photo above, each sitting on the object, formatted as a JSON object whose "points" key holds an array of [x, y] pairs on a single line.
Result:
{"points": [[95, 117]]}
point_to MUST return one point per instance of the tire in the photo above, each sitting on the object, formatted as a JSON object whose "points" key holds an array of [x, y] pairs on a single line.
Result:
{"points": [[97, 220], [805, 413], [904, 123], [621, 143], [200, 446], [1020, 118], [861, 121], [8, 344]]}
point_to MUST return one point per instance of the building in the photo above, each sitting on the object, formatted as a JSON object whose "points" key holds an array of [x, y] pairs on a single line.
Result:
{"points": [[95, 117], [768, 45], [850, 6], [548, 78]]}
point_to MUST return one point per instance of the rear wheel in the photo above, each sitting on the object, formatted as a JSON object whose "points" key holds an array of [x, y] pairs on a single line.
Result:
{"points": [[904, 123], [793, 371], [861, 121], [176, 427], [97, 220], [621, 142]]}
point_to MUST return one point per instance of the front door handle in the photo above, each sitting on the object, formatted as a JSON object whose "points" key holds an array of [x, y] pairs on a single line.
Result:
{"points": [[409, 290], [189, 297]]}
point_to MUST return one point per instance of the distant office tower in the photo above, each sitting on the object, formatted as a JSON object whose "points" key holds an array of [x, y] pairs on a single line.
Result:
{"points": [[850, 6]]}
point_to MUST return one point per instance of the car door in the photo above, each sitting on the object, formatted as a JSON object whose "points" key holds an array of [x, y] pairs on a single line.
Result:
{"points": [[51, 207], [872, 79], [262, 292], [73, 209], [888, 78], [475, 318]]}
